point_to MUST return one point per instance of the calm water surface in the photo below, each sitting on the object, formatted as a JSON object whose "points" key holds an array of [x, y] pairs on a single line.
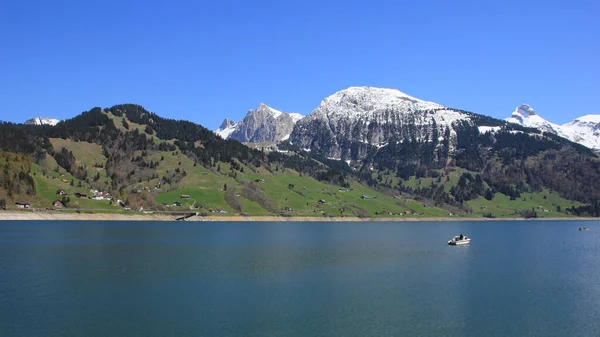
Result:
{"points": [[299, 279]]}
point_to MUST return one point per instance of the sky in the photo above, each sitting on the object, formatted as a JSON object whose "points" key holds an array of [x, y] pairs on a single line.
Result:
{"points": [[206, 60]]}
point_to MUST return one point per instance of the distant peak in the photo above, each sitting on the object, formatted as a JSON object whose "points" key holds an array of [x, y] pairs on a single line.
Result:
{"points": [[525, 110], [358, 101], [226, 123], [265, 108], [374, 91], [594, 119], [42, 121]]}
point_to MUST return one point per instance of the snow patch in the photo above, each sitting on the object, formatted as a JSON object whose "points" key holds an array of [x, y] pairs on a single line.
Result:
{"points": [[492, 129], [296, 116], [225, 133]]}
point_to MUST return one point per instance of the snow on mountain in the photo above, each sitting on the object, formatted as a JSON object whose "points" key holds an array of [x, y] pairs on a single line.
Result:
{"points": [[348, 123], [525, 115], [584, 130], [359, 102], [264, 124], [226, 128], [296, 116], [42, 121]]}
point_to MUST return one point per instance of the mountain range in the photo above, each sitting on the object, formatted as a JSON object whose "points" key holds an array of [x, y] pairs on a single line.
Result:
{"points": [[361, 109], [359, 144], [584, 130]]}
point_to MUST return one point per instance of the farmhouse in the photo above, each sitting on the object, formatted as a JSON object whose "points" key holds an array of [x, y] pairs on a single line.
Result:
{"points": [[22, 205]]}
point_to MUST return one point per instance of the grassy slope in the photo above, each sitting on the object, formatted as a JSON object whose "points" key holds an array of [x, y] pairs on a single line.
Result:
{"points": [[47, 185], [205, 188], [501, 206]]}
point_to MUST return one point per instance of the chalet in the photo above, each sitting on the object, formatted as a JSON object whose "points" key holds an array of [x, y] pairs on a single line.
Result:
{"points": [[321, 201], [365, 197], [58, 204], [127, 208], [61, 192], [185, 196], [177, 204], [22, 205], [64, 181], [80, 195], [120, 203]]}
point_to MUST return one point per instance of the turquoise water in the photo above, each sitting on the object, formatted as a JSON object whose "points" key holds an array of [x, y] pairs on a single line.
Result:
{"points": [[299, 279]]}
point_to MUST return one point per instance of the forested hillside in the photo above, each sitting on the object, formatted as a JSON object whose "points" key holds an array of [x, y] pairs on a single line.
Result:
{"points": [[129, 154]]}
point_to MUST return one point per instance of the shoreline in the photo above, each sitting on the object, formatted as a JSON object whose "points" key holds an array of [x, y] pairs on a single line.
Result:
{"points": [[55, 216]]}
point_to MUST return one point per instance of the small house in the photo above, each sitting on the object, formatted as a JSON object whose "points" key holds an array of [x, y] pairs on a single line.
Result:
{"points": [[177, 204], [365, 197], [64, 181], [80, 195], [321, 201], [61, 192], [127, 208], [185, 196], [22, 205], [58, 204]]}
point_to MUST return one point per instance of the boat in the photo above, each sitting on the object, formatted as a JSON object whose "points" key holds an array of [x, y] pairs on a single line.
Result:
{"points": [[459, 240], [584, 229]]}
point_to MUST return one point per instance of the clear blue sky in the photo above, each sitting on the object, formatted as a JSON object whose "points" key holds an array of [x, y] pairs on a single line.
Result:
{"points": [[207, 60]]}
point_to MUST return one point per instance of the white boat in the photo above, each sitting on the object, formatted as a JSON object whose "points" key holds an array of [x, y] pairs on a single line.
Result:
{"points": [[457, 240], [584, 229]]}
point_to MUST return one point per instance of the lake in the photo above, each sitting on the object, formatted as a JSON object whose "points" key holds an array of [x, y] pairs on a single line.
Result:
{"points": [[516, 278]]}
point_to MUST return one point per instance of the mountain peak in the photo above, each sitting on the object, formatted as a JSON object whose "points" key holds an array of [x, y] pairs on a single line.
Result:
{"points": [[525, 110], [42, 121], [226, 123], [582, 130], [587, 119], [362, 101], [526, 116], [264, 124], [262, 107], [226, 128]]}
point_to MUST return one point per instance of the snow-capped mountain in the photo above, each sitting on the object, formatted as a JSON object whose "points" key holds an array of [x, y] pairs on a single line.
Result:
{"points": [[226, 128], [351, 123], [264, 124], [42, 121], [583, 130], [525, 115]]}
